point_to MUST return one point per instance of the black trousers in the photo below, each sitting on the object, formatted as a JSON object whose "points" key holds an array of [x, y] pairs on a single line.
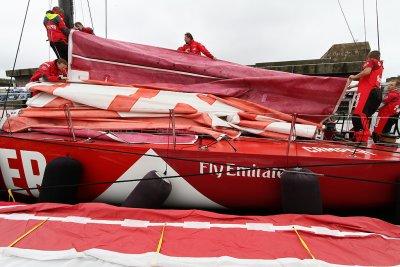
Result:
{"points": [[60, 49], [390, 123]]}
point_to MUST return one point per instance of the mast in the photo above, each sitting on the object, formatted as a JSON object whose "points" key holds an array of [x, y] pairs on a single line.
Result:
{"points": [[68, 7], [106, 16]]}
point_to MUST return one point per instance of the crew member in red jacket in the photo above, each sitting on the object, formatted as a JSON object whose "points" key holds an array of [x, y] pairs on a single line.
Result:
{"points": [[193, 47], [52, 71], [79, 26], [369, 95], [57, 33], [389, 113]]}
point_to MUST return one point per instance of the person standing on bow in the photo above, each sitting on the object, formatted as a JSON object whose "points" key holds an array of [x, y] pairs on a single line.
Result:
{"points": [[79, 26], [193, 47], [369, 95], [57, 33]]}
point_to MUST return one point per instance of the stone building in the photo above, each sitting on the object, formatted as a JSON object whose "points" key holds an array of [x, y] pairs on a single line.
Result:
{"points": [[341, 60], [21, 76], [4, 82]]}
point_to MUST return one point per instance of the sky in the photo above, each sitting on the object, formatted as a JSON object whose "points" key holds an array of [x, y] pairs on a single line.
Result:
{"points": [[242, 31]]}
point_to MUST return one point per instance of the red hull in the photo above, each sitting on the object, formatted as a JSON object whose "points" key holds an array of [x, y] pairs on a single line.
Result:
{"points": [[209, 178]]}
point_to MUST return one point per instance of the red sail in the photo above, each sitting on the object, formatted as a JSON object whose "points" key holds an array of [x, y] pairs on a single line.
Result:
{"points": [[94, 234], [95, 58]]}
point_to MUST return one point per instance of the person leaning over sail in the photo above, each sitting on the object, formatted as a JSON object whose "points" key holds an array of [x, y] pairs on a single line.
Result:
{"points": [[79, 26], [52, 71], [193, 47], [57, 33], [369, 95]]}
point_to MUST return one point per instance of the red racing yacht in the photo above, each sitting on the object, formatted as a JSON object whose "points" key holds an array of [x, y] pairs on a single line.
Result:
{"points": [[219, 135]]}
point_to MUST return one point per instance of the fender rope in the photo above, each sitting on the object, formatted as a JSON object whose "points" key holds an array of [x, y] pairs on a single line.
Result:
{"points": [[10, 195]]}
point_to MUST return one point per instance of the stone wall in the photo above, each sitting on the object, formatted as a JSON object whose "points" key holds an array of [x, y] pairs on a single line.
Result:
{"points": [[22, 76], [340, 60], [4, 82]]}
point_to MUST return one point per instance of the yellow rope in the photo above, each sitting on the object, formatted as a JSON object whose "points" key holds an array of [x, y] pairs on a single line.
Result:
{"points": [[158, 249], [27, 233], [10, 195], [303, 243]]}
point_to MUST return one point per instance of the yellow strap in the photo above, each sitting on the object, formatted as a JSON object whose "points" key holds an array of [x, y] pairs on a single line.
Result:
{"points": [[27, 233], [10, 195], [303, 243], [158, 249]]}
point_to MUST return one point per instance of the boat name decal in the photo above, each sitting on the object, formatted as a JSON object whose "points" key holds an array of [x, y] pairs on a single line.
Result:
{"points": [[230, 169], [315, 149], [21, 169]]}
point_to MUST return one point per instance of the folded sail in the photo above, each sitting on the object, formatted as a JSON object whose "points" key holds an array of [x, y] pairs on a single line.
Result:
{"points": [[102, 107]]}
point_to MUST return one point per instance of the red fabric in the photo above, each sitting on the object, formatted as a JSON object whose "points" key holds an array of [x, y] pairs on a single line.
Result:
{"points": [[87, 30], [195, 48], [56, 29], [49, 71], [372, 80], [392, 98], [147, 66], [362, 135], [380, 124], [372, 250], [389, 109]]}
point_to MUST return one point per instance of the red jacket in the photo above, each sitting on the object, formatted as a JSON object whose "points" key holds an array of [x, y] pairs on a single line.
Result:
{"points": [[49, 72], [87, 30], [373, 80], [391, 103], [55, 27], [195, 48]]}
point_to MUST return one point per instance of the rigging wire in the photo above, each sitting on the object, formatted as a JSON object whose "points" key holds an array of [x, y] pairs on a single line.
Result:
{"points": [[90, 14], [82, 13], [169, 133], [77, 145], [15, 59], [49, 48], [340, 141], [347, 23], [73, 11], [365, 27], [377, 24], [106, 17], [354, 179]]}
